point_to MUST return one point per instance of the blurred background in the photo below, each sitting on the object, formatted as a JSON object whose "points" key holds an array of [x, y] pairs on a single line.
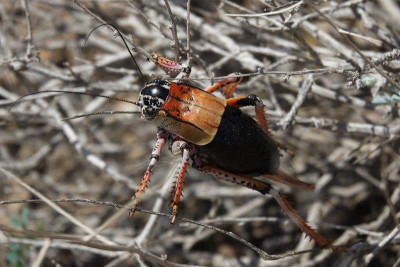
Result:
{"points": [[326, 71]]}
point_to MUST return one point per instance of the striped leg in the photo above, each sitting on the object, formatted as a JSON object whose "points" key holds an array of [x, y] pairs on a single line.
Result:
{"points": [[180, 178], [155, 155], [227, 85], [253, 100], [264, 189]]}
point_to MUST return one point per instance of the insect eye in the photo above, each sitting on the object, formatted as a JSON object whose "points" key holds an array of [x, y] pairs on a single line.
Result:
{"points": [[155, 91]]}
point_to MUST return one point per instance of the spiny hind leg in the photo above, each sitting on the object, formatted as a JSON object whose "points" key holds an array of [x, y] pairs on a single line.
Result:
{"points": [[264, 189], [256, 102], [284, 178], [227, 85], [162, 136]]}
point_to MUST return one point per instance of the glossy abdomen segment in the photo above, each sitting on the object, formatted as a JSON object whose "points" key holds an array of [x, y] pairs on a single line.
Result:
{"points": [[241, 146], [191, 113]]}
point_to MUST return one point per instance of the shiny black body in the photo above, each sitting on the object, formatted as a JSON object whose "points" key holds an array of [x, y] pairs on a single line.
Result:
{"points": [[241, 146]]}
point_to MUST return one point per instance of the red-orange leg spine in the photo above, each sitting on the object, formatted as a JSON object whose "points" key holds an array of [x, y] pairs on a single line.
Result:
{"points": [[155, 155], [180, 181], [295, 217], [248, 182]]}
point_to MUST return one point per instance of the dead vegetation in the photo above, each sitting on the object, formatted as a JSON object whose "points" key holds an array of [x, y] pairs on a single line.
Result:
{"points": [[327, 72]]}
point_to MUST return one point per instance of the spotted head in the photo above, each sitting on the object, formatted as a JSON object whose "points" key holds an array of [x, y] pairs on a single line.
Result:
{"points": [[152, 97]]}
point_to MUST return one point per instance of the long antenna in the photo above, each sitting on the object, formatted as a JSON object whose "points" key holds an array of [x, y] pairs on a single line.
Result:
{"points": [[100, 113], [72, 92], [123, 39]]}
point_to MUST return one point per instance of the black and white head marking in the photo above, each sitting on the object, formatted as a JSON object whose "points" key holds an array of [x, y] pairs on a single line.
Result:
{"points": [[152, 97]]}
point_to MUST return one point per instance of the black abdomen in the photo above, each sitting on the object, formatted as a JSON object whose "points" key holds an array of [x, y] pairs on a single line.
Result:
{"points": [[241, 146]]}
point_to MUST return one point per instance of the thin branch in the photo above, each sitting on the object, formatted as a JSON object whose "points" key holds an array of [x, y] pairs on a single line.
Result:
{"points": [[354, 46], [57, 208], [42, 253], [188, 56], [277, 11], [261, 72], [97, 245], [29, 37], [305, 88], [137, 48], [369, 39], [174, 31], [262, 253], [385, 241]]}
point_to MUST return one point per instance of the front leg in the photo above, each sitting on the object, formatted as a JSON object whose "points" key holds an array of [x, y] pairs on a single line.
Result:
{"points": [[162, 136]]}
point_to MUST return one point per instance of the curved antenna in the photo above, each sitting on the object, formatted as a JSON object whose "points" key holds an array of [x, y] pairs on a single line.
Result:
{"points": [[100, 113], [123, 39], [72, 92]]}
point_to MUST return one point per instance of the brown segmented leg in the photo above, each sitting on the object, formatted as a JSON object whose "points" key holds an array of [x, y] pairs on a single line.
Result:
{"points": [[253, 100], [155, 155], [265, 188], [284, 178], [248, 182], [180, 181], [227, 85], [295, 217]]}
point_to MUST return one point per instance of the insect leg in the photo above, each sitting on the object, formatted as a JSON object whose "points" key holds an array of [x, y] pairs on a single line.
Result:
{"points": [[227, 85], [264, 189], [162, 136], [180, 178], [284, 178], [172, 68], [253, 100]]}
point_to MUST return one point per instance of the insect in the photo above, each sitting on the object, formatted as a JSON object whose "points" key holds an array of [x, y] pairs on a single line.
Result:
{"points": [[213, 136]]}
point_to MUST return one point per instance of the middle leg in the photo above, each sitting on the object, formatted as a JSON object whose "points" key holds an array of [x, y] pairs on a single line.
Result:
{"points": [[179, 147]]}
